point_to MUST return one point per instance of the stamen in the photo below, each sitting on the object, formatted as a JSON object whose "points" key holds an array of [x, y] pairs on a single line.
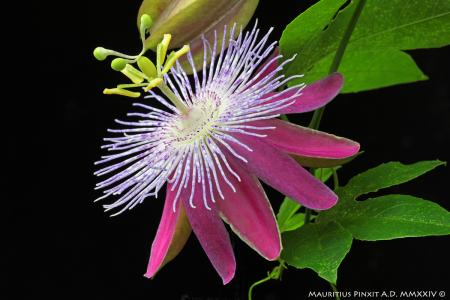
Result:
{"points": [[173, 57], [147, 67], [122, 92], [161, 51], [133, 74]]}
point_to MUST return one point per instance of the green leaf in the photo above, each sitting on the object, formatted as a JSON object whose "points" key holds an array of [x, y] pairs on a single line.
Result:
{"points": [[371, 68], [287, 209], [384, 26], [320, 247], [404, 24], [387, 175], [307, 27], [390, 216], [323, 174], [310, 30], [394, 216], [293, 222], [323, 245]]}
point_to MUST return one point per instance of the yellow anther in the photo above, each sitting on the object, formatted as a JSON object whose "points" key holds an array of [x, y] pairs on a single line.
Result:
{"points": [[147, 67], [172, 58], [134, 74], [122, 92], [153, 83], [161, 50]]}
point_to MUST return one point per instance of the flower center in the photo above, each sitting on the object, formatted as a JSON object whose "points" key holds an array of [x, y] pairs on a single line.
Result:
{"points": [[197, 123]]}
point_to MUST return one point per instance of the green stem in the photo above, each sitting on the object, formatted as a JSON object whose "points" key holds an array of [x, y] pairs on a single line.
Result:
{"points": [[275, 274], [307, 215], [250, 290], [317, 117], [335, 179], [336, 291], [347, 34]]}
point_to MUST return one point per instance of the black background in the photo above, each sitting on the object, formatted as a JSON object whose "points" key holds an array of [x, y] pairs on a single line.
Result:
{"points": [[63, 245]]}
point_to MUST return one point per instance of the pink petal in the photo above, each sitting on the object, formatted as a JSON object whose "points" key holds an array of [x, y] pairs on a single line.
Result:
{"points": [[172, 234], [212, 235], [312, 96], [283, 173], [308, 143], [249, 212]]}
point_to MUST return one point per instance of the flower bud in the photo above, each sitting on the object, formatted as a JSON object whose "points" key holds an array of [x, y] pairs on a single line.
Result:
{"points": [[187, 20]]}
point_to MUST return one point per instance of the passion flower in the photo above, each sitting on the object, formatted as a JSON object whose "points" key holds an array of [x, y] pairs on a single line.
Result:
{"points": [[210, 146]]}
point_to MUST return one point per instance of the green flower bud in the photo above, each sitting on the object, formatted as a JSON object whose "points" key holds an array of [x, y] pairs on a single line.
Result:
{"points": [[188, 20]]}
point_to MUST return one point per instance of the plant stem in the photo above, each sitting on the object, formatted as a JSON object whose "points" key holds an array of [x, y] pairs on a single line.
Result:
{"points": [[336, 291], [307, 215], [250, 290], [347, 34], [335, 179], [275, 274], [317, 117]]}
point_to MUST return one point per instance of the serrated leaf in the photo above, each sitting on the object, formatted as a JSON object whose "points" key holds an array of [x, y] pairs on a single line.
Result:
{"points": [[320, 247], [394, 216], [383, 24]]}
